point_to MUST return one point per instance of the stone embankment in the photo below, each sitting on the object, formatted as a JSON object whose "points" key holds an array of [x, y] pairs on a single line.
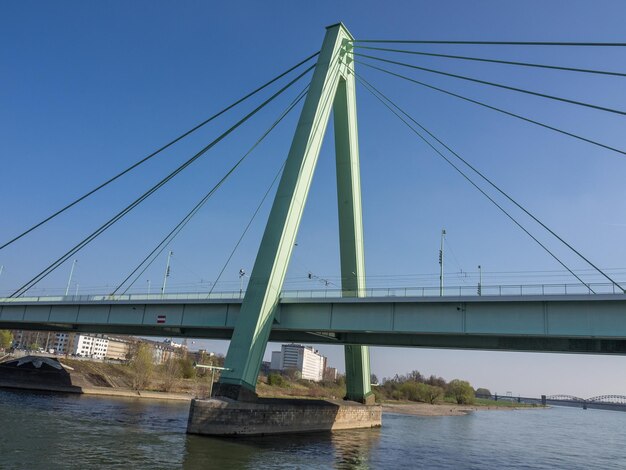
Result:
{"points": [[53, 375]]}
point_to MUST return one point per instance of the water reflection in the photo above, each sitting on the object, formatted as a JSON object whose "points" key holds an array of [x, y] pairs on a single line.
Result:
{"points": [[348, 450]]}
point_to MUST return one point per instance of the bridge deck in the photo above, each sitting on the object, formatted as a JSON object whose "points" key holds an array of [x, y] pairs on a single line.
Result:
{"points": [[557, 323]]}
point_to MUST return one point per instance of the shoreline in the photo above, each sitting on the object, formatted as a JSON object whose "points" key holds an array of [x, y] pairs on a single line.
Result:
{"points": [[442, 409], [97, 391], [410, 409]]}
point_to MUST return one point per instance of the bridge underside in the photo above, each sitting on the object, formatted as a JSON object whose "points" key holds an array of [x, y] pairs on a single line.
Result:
{"points": [[415, 340], [576, 324]]}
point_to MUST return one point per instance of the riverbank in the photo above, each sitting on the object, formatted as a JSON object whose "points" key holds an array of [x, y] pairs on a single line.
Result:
{"points": [[66, 375], [79, 377], [443, 409]]}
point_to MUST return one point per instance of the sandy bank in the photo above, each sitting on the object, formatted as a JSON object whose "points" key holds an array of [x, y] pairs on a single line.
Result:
{"points": [[443, 409]]}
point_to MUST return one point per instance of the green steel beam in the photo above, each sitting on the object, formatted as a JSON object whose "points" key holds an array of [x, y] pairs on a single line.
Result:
{"points": [[254, 324], [571, 323], [351, 247]]}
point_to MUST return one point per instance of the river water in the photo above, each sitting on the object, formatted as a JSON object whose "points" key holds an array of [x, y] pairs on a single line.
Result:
{"points": [[51, 431]]}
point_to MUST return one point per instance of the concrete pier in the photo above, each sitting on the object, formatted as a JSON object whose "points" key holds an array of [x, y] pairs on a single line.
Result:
{"points": [[226, 417]]}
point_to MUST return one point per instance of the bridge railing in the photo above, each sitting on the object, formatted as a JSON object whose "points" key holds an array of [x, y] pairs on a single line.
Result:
{"points": [[463, 291], [427, 291]]}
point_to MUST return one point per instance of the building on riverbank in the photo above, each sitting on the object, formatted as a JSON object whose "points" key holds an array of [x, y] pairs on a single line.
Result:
{"points": [[305, 360], [97, 346]]}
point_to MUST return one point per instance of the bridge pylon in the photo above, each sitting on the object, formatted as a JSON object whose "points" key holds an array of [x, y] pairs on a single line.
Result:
{"points": [[332, 88]]}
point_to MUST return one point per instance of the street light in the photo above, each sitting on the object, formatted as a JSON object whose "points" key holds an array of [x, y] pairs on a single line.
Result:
{"points": [[167, 271], [213, 369], [443, 235], [242, 274], [480, 280], [69, 281]]}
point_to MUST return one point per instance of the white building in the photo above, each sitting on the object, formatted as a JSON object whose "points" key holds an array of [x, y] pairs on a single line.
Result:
{"points": [[304, 359], [85, 345], [91, 346]]}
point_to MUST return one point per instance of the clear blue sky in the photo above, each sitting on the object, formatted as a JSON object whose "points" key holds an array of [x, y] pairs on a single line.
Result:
{"points": [[89, 88]]}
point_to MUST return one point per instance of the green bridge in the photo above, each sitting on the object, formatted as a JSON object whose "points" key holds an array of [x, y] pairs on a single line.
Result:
{"points": [[574, 323], [582, 320]]}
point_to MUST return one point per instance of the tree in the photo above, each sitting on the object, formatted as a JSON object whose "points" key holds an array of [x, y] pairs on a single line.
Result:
{"points": [[171, 373], [436, 381], [429, 393], [483, 393], [373, 379], [187, 369], [409, 391], [142, 366], [6, 339], [461, 391]]}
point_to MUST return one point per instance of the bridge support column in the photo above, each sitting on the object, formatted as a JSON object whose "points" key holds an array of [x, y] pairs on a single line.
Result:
{"points": [[351, 247], [332, 87]]}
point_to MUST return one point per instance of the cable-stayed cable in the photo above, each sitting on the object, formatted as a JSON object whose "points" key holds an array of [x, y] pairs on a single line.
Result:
{"points": [[497, 85], [153, 154], [464, 175], [153, 189], [494, 61], [495, 43], [496, 187], [245, 230], [319, 122], [494, 108], [177, 229]]}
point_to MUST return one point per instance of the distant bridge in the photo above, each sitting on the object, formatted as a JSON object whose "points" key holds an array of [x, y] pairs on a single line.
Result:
{"points": [[604, 399]]}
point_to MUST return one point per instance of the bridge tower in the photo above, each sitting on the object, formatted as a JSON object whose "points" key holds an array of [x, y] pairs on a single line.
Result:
{"points": [[332, 88]]}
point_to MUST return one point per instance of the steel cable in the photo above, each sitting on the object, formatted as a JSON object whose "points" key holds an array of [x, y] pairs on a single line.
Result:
{"points": [[497, 85], [494, 61], [494, 108], [464, 175], [154, 188], [176, 230], [153, 154]]}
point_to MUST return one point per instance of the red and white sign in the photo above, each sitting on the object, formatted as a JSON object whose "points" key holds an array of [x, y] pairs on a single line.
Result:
{"points": [[160, 318]]}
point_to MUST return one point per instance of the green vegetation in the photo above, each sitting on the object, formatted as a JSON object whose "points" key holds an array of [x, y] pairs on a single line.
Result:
{"points": [[276, 380], [6, 339], [501, 403], [461, 391], [187, 369], [410, 387], [142, 366], [416, 387]]}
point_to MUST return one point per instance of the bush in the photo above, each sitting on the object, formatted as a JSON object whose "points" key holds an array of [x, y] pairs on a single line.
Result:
{"points": [[461, 391], [6, 339], [429, 393], [276, 380], [409, 391], [142, 366], [171, 373], [187, 369]]}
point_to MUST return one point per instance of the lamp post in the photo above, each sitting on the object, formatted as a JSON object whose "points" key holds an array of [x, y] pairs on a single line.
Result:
{"points": [[443, 235], [69, 281], [148, 286], [167, 271], [242, 274], [213, 369], [480, 280]]}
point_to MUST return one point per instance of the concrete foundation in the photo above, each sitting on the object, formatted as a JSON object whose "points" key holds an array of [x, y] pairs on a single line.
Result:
{"points": [[226, 417]]}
